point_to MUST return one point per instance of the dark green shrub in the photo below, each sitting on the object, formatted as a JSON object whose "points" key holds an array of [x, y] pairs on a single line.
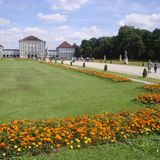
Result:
{"points": [[84, 65], [71, 63], [105, 67], [61, 61], [145, 73]]}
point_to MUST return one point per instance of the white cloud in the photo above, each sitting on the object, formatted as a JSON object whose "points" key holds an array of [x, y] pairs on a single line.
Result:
{"points": [[68, 5], [141, 20], [57, 17], [34, 30], [59, 39], [54, 36], [10, 37], [121, 7], [4, 21], [63, 28], [87, 33]]}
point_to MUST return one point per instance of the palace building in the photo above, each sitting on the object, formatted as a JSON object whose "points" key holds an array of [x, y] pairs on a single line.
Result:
{"points": [[8, 53], [33, 47], [65, 50]]}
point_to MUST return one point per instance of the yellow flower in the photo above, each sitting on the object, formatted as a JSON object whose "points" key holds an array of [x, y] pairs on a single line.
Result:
{"points": [[15, 146], [78, 146], [105, 138], [19, 149], [29, 147], [71, 147], [125, 136], [4, 154], [113, 140]]}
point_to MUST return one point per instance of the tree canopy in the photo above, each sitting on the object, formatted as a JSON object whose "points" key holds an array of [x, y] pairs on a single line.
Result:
{"points": [[139, 44]]}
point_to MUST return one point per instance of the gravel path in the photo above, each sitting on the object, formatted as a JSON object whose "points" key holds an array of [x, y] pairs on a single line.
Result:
{"points": [[132, 70]]}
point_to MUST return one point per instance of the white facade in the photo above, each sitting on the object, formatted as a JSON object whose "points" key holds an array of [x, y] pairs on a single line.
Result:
{"points": [[32, 47], [10, 53], [52, 53], [67, 53]]}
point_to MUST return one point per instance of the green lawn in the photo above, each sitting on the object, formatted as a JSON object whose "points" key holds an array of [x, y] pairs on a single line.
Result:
{"points": [[147, 148], [32, 90]]}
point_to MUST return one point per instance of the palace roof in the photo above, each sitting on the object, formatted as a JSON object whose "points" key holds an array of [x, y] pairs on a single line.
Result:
{"points": [[65, 44], [31, 38]]}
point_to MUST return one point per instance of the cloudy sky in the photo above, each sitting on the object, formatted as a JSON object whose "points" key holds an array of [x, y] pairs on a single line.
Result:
{"points": [[73, 20]]}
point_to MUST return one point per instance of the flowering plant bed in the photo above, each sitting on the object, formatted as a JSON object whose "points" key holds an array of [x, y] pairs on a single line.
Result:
{"points": [[92, 72], [148, 98], [152, 87], [45, 136]]}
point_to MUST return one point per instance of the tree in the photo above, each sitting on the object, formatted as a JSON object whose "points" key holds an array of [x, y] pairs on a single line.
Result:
{"points": [[147, 41], [140, 44], [151, 54], [77, 51], [85, 48], [156, 42], [128, 39]]}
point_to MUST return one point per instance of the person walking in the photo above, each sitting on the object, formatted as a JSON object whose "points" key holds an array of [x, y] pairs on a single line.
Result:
{"points": [[155, 67], [149, 66]]}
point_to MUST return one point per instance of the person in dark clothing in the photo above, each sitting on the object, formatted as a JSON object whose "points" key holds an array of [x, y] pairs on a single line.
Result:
{"points": [[155, 67]]}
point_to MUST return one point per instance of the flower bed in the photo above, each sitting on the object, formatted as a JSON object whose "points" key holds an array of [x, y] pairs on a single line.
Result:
{"points": [[44, 136], [91, 72], [149, 98], [152, 87]]}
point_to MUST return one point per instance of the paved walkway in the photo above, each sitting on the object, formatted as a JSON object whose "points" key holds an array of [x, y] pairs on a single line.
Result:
{"points": [[132, 70], [140, 81]]}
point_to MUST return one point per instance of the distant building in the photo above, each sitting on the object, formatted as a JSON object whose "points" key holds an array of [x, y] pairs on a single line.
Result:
{"points": [[65, 50], [32, 47], [52, 53], [8, 53]]}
